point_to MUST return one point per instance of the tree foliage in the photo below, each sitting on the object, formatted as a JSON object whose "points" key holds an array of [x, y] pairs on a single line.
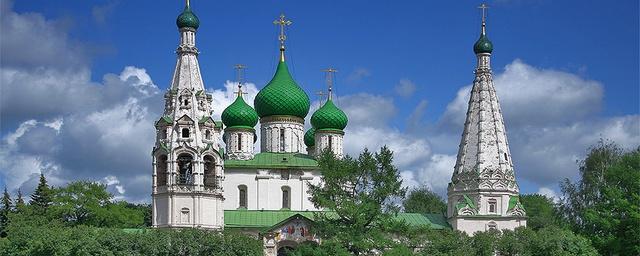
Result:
{"points": [[19, 202], [42, 197], [604, 204], [361, 195], [423, 200], [4, 212], [541, 211]]}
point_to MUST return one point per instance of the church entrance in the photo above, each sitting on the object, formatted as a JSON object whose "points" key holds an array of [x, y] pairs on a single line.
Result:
{"points": [[284, 251]]}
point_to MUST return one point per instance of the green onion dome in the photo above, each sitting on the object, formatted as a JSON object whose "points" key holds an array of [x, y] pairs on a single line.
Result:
{"points": [[188, 19], [329, 117], [282, 96], [309, 137], [483, 45], [239, 115]]}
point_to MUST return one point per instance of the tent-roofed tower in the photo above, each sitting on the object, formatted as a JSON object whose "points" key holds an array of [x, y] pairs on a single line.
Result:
{"points": [[187, 160], [282, 106], [483, 193]]}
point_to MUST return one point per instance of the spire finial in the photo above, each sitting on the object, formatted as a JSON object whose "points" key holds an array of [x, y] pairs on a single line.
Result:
{"points": [[188, 6], [282, 22], [240, 77], [329, 76], [484, 8]]}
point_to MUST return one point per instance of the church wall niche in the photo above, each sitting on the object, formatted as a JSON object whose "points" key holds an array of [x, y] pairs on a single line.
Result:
{"points": [[210, 179], [161, 170]]}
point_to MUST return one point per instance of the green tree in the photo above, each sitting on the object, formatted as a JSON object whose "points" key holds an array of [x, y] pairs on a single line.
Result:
{"points": [[89, 203], [361, 195], [4, 212], [604, 204], [19, 201], [541, 211], [423, 200], [42, 197]]}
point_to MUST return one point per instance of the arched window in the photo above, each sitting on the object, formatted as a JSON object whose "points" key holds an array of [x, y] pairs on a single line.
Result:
{"points": [[239, 142], [330, 142], [493, 205], [505, 157], [242, 197], [281, 140], [207, 134], [185, 132], [185, 169], [161, 171], [209, 171], [286, 197]]}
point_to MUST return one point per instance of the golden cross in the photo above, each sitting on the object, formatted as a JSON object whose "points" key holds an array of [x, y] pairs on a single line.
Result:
{"points": [[282, 22], [239, 76], [484, 8], [330, 73]]}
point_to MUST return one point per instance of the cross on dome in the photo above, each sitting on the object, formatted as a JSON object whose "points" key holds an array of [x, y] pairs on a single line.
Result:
{"points": [[329, 76], [239, 77]]}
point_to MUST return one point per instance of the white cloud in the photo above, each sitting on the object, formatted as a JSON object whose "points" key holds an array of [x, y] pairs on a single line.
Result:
{"points": [[550, 193], [405, 88], [551, 119], [358, 75]]}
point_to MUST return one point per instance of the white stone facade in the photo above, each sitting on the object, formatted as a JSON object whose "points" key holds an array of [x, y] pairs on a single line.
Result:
{"points": [[240, 143], [187, 164], [284, 134], [330, 139], [264, 189]]}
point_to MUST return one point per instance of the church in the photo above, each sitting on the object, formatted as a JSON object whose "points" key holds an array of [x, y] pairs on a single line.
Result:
{"points": [[208, 174]]}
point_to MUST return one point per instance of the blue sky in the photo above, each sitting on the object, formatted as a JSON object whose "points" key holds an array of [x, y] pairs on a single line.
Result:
{"points": [[413, 56]]}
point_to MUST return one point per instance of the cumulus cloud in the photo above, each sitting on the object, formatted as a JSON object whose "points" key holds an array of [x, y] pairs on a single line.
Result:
{"points": [[405, 88], [551, 117], [358, 75]]}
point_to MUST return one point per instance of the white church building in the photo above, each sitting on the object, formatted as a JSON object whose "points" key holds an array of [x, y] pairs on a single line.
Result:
{"points": [[208, 174]]}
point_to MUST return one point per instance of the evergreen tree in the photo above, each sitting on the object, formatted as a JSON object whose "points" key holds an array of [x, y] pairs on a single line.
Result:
{"points": [[41, 198], [4, 212], [19, 201]]}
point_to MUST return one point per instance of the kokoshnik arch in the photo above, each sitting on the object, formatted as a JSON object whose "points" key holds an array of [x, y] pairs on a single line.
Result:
{"points": [[206, 173]]}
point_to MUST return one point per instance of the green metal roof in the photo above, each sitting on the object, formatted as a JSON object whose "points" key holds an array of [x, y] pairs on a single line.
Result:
{"points": [[274, 161], [513, 202], [483, 45], [257, 218], [329, 116], [239, 114], [282, 96], [309, 137], [187, 19], [269, 218]]}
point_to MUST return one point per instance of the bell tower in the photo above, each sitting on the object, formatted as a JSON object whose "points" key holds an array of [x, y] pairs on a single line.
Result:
{"points": [[483, 193], [187, 159]]}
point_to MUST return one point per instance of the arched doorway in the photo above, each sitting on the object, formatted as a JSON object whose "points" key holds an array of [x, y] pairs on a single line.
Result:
{"points": [[285, 247]]}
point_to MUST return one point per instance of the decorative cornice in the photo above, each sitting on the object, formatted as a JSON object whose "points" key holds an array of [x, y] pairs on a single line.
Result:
{"points": [[278, 118]]}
